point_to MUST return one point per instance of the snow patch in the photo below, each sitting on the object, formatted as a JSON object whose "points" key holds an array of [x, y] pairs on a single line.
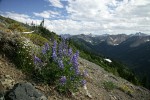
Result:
{"points": [[108, 60], [116, 44]]}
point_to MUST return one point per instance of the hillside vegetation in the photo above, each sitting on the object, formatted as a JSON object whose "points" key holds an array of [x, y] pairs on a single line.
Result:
{"points": [[48, 59]]}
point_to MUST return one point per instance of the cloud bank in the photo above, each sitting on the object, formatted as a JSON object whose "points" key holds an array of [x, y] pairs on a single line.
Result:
{"points": [[93, 16]]}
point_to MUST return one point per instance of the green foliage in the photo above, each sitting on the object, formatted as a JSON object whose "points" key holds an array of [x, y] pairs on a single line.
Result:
{"points": [[36, 39], [109, 85], [126, 89], [145, 82], [16, 50], [7, 20], [7, 24], [24, 59], [16, 27], [46, 33], [42, 23]]}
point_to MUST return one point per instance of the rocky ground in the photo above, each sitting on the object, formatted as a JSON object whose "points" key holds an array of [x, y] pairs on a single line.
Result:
{"points": [[124, 90], [95, 89]]}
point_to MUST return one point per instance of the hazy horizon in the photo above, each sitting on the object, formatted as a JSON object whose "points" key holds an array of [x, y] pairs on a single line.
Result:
{"points": [[106, 33]]}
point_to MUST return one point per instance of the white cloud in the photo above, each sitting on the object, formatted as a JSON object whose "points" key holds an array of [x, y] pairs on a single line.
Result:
{"points": [[20, 17], [56, 3], [46, 14], [114, 16], [73, 27], [88, 9], [140, 2]]}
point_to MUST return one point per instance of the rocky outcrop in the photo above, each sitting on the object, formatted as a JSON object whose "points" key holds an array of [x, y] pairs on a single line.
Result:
{"points": [[24, 91]]}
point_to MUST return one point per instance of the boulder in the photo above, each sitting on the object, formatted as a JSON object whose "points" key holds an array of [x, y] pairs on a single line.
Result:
{"points": [[24, 91]]}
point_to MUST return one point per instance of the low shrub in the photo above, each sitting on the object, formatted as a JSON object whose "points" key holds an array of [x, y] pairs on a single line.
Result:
{"points": [[108, 85], [36, 39], [126, 89], [24, 56], [17, 27], [8, 43]]}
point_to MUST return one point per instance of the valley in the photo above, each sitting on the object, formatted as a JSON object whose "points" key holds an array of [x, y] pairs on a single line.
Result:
{"points": [[132, 50]]}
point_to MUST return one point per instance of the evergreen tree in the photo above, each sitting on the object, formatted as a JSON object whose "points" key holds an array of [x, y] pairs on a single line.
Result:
{"points": [[42, 23]]}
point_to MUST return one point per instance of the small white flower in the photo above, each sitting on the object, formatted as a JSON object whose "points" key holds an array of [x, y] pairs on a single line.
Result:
{"points": [[23, 47]]}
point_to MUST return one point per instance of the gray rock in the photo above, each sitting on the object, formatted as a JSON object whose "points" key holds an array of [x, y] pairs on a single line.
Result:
{"points": [[24, 91], [2, 96], [1, 92]]}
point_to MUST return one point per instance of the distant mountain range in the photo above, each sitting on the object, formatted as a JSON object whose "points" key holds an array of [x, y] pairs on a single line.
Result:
{"points": [[133, 50]]}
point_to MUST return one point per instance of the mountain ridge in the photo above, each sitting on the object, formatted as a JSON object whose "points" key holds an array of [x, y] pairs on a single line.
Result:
{"points": [[129, 49]]}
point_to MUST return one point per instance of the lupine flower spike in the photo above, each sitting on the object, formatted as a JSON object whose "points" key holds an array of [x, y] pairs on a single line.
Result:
{"points": [[47, 46], [75, 63], [37, 60], [54, 55], [83, 82], [60, 63], [69, 52], [63, 80]]}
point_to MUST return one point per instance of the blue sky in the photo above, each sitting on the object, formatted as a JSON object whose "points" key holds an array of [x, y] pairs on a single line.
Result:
{"points": [[82, 16]]}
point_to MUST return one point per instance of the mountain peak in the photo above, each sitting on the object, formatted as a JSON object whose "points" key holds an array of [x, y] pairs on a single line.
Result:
{"points": [[140, 34]]}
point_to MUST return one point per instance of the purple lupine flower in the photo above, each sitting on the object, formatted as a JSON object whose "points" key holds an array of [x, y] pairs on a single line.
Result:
{"points": [[43, 50], [60, 63], [75, 63], [54, 56], [77, 54], [54, 44], [69, 52], [64, 46], [83, 82], [77, 71], [37, 60], [63, 80], [64, 51], [64, 42], [47, 46]]}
